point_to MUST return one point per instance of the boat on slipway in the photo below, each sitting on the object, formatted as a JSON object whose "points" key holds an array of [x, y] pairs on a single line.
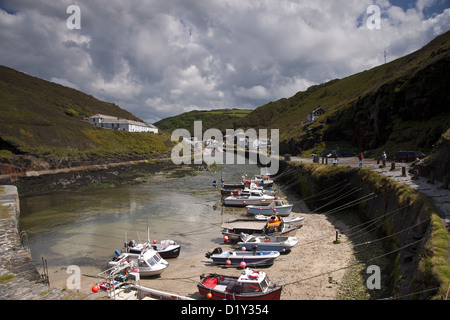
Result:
{"points": [[249, 258], [250, 285]]}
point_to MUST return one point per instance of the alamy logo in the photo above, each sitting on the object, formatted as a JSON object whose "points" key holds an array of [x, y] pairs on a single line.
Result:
{"points": [[374, 20], [74, 21], [211, 147], [374, 280], [73, 282]]}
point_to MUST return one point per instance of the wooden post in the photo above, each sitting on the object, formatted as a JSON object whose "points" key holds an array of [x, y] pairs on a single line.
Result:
{"points": [[337, 241], [393, 166], [403, 171]]}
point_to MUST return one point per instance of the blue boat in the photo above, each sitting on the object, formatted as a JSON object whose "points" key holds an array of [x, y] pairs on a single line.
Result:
{"points": [[250, 258]]}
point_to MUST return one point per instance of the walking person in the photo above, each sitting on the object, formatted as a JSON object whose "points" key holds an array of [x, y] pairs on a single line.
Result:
{"points": [[384, 158], [335, 161], [361, 157]]}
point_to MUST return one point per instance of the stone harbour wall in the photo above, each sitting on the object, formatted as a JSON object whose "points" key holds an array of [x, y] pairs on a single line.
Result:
{"points": [[19, 277], [413, 223]]}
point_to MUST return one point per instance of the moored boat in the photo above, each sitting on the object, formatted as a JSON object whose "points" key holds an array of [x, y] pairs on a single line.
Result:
{"points": [[264, 181], [252, 197], [231, 230], [166, 248], [149, 263], [231, 189], [243, 258], [250, 285], [267, 243], [291, 220], [277, 207]]}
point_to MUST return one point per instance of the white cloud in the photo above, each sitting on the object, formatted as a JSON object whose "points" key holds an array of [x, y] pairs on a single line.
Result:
{"points": [[159, 58], [256, 92]]}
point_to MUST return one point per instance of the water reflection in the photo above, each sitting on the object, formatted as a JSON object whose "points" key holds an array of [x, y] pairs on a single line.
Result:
{"points": [[85, 227]]}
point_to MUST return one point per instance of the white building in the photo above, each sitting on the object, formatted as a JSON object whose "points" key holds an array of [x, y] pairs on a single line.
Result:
{"points": [[315, 114], [115, 123]]}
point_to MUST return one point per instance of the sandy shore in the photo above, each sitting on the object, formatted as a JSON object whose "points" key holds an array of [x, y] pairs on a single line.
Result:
{"points": [[307, 272]]}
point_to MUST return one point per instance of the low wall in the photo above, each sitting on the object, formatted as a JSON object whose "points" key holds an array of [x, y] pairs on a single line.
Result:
{"points": [[415, 235], [19, 278]]}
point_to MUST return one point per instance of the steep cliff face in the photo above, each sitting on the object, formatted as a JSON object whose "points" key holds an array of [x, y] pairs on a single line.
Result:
{"points": [[406, 112]]}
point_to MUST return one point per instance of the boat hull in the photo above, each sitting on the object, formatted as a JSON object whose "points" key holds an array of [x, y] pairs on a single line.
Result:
{"points": [[216, 295], [282, 211], [280, 244], [243, 202], [219, 292], [259, 258], [266, 247], [234, 233], [166, 251]]}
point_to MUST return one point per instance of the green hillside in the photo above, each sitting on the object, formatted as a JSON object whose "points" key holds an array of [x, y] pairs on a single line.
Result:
{"points": [[41, 118], [401, 104], [221, 119]]}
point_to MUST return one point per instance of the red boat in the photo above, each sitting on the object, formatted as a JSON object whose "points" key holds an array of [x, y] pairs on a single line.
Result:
{"points": [[250, 285]]}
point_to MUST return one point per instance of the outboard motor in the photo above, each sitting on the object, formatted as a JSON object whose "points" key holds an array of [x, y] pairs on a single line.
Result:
{"points": [[217, 250]]}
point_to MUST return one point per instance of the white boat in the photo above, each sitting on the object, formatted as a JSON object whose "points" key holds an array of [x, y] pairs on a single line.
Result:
{"points": [[267, 243], [264, 181], [251, 197], [273, 226], [149, 263], [290, 220], [277, 207], [166, 248], [122, 282], [250, 258]]}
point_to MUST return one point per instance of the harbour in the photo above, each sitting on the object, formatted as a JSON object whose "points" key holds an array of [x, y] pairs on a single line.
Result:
{"points": [[85, 227], [317, 268]]}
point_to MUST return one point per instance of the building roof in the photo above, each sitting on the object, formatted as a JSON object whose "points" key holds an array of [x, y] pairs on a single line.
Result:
{"points": [[117, 120], [319, 109]]}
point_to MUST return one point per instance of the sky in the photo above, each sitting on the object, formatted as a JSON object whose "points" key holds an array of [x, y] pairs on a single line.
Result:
{"points": [[160, 58]]}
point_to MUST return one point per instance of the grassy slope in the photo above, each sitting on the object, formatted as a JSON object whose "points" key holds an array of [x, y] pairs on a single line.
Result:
{"points": [[219, 119], [44, 118]]}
